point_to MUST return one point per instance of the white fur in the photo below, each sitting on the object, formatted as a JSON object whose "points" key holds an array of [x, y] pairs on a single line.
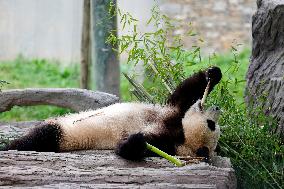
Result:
{"points": [[197, 132], [103, 128]]}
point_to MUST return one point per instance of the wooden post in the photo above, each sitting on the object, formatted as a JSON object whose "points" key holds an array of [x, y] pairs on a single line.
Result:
{"points": [[85, 45], [104, 58]]}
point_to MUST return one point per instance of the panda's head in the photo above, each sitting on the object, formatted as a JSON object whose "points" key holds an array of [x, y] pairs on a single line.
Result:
{"points": [[201, 131]]}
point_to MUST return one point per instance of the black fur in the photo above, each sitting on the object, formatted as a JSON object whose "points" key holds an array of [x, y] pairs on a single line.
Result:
{"points": [[132, 148], [172, 135], [211, 124], [192, 89], [203, 152], [43, 138]]}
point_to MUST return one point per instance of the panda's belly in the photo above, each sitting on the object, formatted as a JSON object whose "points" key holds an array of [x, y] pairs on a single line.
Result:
{"points": [[103, 128]]}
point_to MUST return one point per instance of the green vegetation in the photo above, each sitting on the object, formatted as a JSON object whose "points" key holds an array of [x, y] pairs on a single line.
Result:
{"points": [[256, 153]]}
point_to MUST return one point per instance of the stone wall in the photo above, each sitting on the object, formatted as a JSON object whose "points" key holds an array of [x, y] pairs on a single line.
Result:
{"points": [[220, 23], [40, 29]]}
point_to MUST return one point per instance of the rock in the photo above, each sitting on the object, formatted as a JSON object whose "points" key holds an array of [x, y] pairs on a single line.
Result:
{"points": [[74, 99], [265, 76]]}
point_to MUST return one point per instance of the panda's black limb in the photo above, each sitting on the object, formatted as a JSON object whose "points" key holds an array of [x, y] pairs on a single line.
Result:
{"points": [[203, 152], [43, 138], [132, 148], [192, 88]]}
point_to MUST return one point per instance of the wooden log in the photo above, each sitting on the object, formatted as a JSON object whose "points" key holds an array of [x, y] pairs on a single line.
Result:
{"points": [[74, 99], [103, 169]]}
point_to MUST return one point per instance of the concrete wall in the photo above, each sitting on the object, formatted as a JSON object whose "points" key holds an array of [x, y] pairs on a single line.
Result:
{"points": [[40, 28], [52, 28]]}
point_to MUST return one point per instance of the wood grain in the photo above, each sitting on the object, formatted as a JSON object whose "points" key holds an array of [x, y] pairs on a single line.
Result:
{"points": [[74, 99]]}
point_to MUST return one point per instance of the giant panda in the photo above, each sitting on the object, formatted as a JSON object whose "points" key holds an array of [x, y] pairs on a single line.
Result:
{"points": [[180, 127]]}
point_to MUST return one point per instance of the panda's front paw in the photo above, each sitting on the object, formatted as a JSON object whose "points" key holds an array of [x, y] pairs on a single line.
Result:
{"points": [[132, 148], [214, 75]]}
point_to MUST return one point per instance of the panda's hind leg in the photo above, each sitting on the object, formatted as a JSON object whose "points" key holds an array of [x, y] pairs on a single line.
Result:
{"points": [[132, 147], [192, 88], [42, 138]]}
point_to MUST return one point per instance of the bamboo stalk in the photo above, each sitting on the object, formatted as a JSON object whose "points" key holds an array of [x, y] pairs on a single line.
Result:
{"points": [[205, 94], [170, 158]]}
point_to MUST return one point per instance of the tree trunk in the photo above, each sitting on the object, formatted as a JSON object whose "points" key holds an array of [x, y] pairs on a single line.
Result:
{"points": [[104, 58], [265, 77], [85, 45]]}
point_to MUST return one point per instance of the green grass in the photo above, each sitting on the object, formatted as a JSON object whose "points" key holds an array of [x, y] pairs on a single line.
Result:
{"points": [[23, 73]]}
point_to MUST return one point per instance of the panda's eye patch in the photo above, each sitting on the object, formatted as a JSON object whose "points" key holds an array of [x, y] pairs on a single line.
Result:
{"points": [[211, 124]]}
